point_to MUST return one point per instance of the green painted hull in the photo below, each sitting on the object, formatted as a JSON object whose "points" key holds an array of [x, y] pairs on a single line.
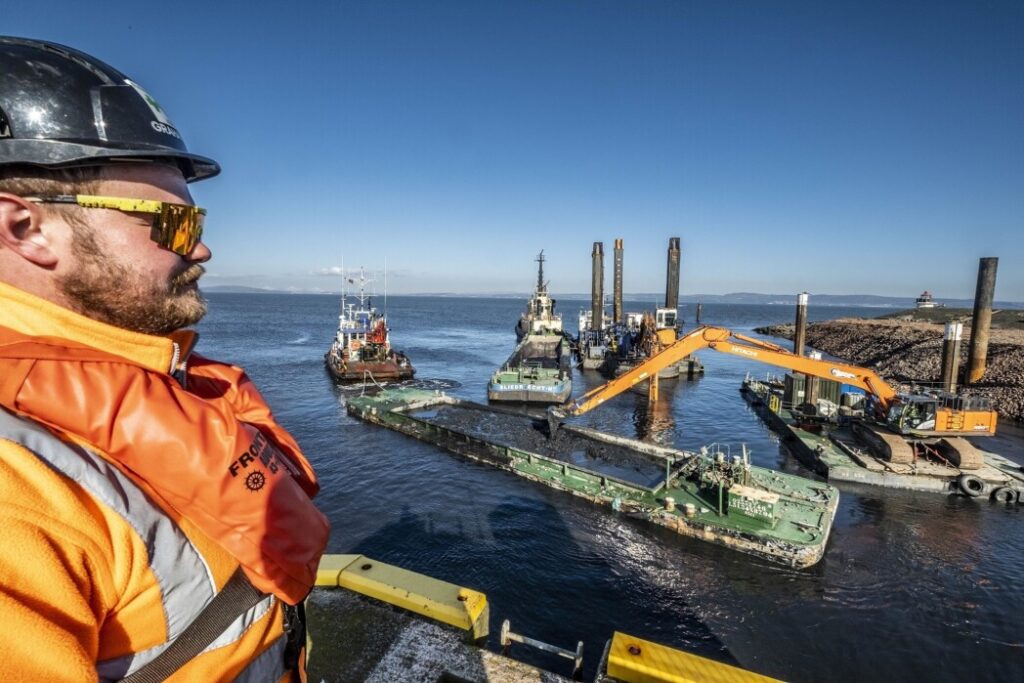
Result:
{"points": [[538, 371], [834, 451], [779, 517]]}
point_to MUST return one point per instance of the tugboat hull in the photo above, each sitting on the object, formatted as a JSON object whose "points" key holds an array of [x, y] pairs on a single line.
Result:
{"points": [[359, 371]]}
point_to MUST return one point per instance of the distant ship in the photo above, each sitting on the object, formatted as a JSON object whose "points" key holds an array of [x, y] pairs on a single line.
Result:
{"points": [[362, 345], [925, 300]]}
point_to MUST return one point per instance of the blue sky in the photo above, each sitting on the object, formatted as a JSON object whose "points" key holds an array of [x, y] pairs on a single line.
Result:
{"points": [[862, 147]]}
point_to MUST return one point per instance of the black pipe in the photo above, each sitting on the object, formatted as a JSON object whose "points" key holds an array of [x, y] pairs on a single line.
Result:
{"points": [[981, 322], [800, 334], [672, 275], [597, 288], [617, 302], [951, 355]]}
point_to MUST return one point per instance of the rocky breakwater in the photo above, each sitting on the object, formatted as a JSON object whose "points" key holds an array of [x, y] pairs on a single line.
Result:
{"points": [[904, 352]]}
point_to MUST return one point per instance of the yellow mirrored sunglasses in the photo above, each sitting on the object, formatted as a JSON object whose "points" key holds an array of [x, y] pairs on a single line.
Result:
{"points": [[177, 227]]}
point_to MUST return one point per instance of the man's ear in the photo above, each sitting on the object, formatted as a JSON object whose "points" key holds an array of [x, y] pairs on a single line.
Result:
{"points": [[21, 231]]}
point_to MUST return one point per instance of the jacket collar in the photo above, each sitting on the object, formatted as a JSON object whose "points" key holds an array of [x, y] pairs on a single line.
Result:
{"points": [[30, 315]]}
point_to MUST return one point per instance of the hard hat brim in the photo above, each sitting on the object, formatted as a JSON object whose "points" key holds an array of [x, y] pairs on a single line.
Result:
{"points": [[62, 154]]}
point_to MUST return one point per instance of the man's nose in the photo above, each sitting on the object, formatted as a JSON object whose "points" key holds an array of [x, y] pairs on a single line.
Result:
{"points": [[200, 253]]}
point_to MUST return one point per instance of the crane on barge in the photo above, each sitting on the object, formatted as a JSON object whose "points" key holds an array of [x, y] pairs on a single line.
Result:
{"points": [[897, 426]]}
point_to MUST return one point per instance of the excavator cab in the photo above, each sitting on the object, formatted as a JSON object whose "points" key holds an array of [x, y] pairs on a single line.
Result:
{"points": [[911, 414], [665, 322], [941, 414], [666, 318]]}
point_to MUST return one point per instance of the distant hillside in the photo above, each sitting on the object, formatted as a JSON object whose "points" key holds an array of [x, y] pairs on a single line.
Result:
{"points": [[865, 300], [238, 289], [1011, 319]]}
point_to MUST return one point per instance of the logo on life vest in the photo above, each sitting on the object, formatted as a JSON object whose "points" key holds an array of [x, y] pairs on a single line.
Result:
{"points": [[255, 481], [260, 452]]}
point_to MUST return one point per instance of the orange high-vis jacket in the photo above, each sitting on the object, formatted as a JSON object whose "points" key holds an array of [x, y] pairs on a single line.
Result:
{"points": [[120, 503]]}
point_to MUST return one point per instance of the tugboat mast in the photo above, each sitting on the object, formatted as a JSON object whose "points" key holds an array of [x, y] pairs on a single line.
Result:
{"points": [[540, 272]]}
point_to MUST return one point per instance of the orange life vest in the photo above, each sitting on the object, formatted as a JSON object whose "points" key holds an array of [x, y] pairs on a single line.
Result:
{"points": [[208, 446]]}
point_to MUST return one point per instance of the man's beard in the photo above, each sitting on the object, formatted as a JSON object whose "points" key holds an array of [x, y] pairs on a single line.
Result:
{"points": [[112, 292]]}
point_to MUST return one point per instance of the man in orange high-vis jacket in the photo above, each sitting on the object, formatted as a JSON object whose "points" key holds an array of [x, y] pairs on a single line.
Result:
{"points": [[146, 492]]}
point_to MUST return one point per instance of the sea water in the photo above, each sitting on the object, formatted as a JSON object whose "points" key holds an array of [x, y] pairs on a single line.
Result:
{"points": [[912, 585]]}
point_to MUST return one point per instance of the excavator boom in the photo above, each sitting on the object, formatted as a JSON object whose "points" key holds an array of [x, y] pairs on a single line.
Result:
{"points": [[910, 419], [719, 339]]}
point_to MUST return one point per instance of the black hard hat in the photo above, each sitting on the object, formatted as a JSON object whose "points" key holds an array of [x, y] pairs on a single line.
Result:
{"points": [[60, 108]]}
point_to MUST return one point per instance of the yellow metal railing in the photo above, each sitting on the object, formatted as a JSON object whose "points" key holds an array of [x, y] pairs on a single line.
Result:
{"points": [[634, 660], [441, 601]]}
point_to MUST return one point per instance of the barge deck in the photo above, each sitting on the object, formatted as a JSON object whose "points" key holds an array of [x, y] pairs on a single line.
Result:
{"points": [[538, 371], [711, 496], [834, 452]]}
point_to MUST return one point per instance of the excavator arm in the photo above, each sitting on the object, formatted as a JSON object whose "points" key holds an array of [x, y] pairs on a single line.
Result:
{"points": [[719, 339], [947, 422], [853, 375], [681, 348]]}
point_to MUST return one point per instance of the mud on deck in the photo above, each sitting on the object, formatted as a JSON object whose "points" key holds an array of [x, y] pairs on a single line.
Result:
{"points": [[782, 518]]}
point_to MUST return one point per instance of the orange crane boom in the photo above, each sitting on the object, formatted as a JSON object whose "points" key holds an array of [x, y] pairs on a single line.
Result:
{"points": [[720, 339], [900, 424]]}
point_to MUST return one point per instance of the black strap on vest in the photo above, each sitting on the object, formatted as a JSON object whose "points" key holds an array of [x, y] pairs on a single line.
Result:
{"points": [[234, 600]]}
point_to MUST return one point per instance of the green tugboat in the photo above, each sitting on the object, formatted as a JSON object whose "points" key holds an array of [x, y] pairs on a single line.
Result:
{"points": [[713, 495], [538, 371], [540, 368]]}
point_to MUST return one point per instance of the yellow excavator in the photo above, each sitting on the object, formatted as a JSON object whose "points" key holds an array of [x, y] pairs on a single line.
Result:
{"points": [[897, 427]]}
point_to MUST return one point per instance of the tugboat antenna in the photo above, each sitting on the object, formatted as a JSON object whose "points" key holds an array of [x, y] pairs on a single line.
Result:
{"points": [[540, 271], [343, 284]]}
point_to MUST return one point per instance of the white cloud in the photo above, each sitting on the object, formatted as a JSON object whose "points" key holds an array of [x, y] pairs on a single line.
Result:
{"points": [[332, 270]]}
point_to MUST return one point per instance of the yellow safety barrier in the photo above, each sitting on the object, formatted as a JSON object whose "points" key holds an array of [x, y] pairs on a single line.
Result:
{"points": [[634, 660], [441, 601]]}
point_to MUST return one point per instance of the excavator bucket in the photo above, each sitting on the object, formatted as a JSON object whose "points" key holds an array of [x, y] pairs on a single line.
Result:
{"points": [[555, 418]]}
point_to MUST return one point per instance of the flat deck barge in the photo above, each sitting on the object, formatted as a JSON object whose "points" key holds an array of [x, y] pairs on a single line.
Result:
{"points": [[712, 495], [834, 452], [538, 371]]}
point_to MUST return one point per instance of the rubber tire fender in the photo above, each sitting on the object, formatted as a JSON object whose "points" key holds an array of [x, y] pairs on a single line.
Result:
{"points": [[971, 485], [1005, 494]]}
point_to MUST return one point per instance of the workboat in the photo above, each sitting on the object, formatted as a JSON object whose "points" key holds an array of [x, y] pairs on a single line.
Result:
{"points": [[925, 300], [538, 371], [540, 368], [362, 345], [539, 316], [713, 495]]}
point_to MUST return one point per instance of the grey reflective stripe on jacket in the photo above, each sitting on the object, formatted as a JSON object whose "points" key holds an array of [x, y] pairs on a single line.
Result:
{"points": [[269, 666], [184, 578]]}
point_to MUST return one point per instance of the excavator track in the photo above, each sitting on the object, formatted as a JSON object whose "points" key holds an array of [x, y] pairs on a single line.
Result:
{"points": [[884, 444], [961, 453]]}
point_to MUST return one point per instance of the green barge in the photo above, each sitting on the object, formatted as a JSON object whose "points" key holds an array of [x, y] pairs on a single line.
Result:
{"points": [[836, 451], [538, 371], [713, 495]]}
